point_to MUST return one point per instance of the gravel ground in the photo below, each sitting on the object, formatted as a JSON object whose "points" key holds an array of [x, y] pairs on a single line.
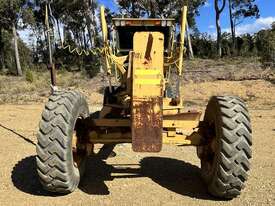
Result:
{"points": [[171, 177]]}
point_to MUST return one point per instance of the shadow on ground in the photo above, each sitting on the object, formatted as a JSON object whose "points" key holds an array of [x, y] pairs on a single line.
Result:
{"points": [[25, 178], [17, 134], [177, 176]]}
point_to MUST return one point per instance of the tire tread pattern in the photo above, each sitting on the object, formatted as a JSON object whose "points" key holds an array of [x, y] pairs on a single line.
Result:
{"points": [[54, 159], [235, 148]]}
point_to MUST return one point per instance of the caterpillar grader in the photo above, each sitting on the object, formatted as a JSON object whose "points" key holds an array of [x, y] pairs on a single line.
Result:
{"points": [[146, 110]]}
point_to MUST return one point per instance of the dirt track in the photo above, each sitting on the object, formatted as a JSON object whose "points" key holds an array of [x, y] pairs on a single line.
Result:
{"points": [[169, 178]]}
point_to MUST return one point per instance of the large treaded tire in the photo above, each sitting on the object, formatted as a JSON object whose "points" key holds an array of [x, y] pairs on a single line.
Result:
{"points": [[226, 170], [55, 163]]}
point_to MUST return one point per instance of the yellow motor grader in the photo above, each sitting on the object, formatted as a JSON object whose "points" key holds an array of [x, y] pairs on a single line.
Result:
{"points": [[146, 110]]}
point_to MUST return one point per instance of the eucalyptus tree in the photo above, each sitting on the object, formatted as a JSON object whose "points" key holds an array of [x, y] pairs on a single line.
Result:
{"points": [[238, 11], [161, 8], [219, 8], [13, 15], [90, 7]]}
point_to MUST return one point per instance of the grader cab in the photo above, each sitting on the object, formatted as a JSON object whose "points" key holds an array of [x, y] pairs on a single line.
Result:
{"points": [[146, 110]]}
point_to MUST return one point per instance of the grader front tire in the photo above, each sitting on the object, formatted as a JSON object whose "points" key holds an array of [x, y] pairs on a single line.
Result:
{"points": [[58, 166], [225, 159]]}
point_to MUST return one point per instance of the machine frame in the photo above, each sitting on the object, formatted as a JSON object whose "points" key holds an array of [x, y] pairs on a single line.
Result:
{"points": [[179, 127]]}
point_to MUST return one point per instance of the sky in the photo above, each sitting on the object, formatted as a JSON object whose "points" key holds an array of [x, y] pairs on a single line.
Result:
{"points": [[206, 20]]}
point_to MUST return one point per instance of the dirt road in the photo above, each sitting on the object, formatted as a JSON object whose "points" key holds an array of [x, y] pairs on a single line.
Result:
{"points": [[169, 178]]}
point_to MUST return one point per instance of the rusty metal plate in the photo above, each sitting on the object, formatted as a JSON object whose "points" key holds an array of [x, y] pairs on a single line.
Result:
{"points": [[147, 92], [147, 123]]}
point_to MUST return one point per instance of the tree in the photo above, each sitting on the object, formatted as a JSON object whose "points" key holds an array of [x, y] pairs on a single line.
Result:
{"points": [[15, 15], [16, 50], [90, 7], [219, 10], [4, 25], [130, 8], [238, 10], [11, 13], [160, 8], [189, 42], [151, 7], [265, 44]]}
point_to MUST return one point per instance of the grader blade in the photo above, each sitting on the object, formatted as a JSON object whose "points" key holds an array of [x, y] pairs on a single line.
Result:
{"points": [[147, 92]]}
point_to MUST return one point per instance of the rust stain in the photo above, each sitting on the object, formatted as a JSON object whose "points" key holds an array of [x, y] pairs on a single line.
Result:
{"points": [[147, 125]]}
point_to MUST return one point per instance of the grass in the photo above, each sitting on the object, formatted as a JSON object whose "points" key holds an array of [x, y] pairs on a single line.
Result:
{"points": [[224, 62], [34, 87]]}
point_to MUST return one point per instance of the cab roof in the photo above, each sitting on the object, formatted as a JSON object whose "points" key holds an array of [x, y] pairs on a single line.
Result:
{"points": [[143, 22]]}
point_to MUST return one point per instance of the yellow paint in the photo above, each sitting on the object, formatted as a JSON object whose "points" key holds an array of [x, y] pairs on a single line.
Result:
{"points": [[185, 121], [182, 35], [148, 74], [182, 124], [181, 139], [105, 39], [103, 24], [145, 81], [168, 138], [156, 108], [120, 62], [148, 82]]}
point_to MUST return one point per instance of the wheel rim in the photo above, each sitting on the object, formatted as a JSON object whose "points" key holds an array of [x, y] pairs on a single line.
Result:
{"points": [[209, 151], [78, 148]]}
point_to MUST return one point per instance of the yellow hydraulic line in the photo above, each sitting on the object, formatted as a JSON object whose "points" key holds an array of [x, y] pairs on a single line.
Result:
{"points": [[182, 35], [106, 50]]}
